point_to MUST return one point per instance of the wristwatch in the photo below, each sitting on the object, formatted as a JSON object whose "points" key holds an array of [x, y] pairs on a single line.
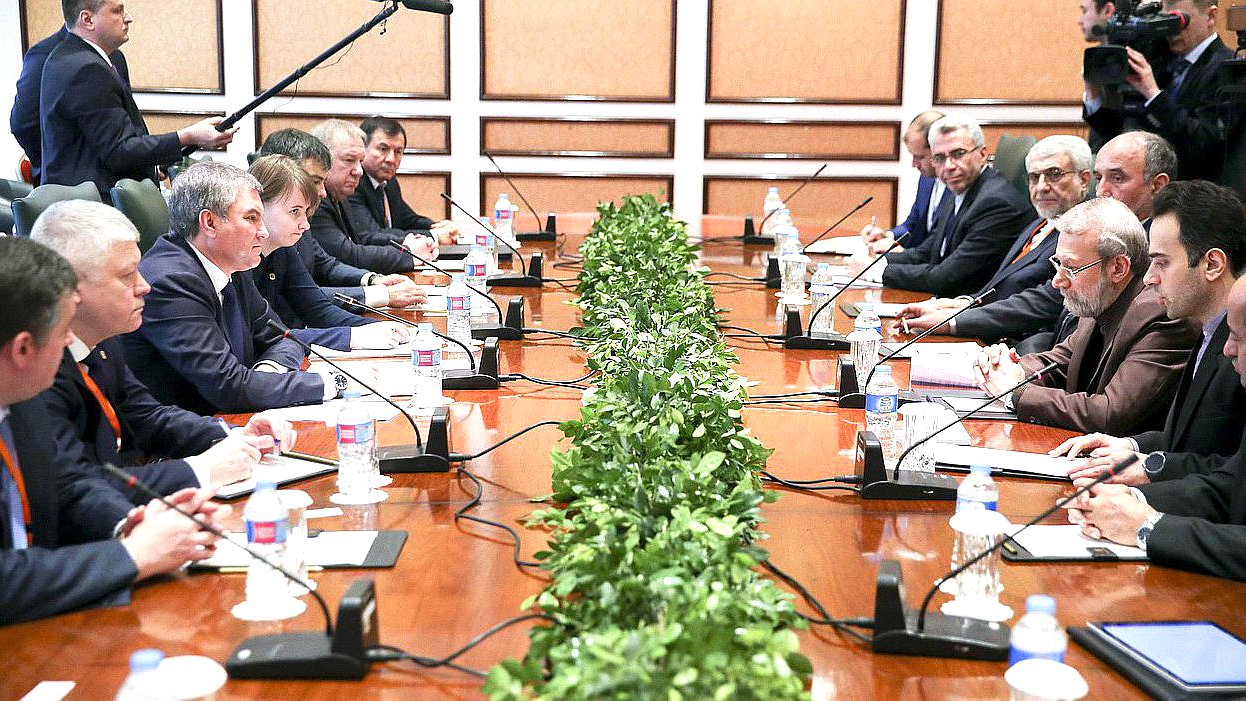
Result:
{"points": [[374, 279], [339, 382], [1144, 531], [1154, 464]]}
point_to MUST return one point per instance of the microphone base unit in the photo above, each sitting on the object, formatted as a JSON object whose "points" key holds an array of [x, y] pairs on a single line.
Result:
{"points": [[774, 278], [549, 234], [850, 394], [532, 279], [877, 482], [435, 456], [486, 375], [751, 237], [511, 329], [795, 338], [957, 637]]}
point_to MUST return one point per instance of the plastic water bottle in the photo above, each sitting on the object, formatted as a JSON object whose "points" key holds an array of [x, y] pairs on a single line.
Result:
{"points": [[771, 203], [356, 446], [782, 218], [882, 399], [459, 310], [821, 288], [793, 265], [426, 367], [267, 523], [503, 221], [978, 489], [1038, 634], [144, 682], [867, 318], [484, 239], [863, 344], [476, 271]]}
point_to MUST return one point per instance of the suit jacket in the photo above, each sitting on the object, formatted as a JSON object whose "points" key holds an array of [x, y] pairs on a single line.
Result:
{"points": [[1214, 395], [149, 430], [331, 274], [1023, 314], [336, 234], [1189, 121], [1204, 523], [182, 354], [985, 227], [1031, 270], [367, 211], [74, 562], [915, 223], [1138, 370], [90, 128], [284, 281]]}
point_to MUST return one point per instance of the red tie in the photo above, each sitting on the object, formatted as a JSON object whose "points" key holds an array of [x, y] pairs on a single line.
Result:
{"points": [[1029, 245]]}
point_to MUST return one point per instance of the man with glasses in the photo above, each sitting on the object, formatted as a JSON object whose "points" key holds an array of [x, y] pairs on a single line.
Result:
{"points": [[1117, 373], [1059, 177], [972, 232], [930, 191], [1198, 252]]}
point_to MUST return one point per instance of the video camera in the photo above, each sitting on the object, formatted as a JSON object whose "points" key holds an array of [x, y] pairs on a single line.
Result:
{"points": [[1140, 26]]}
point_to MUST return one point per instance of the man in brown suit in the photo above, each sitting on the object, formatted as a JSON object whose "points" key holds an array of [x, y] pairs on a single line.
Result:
{"points": [[1118, 371]]}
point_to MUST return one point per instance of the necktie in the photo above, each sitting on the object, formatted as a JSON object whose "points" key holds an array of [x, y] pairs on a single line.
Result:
{"points": [[234, 325], [946, 223], [1178, 70], [13, 486], [93, 363], [1029, 244], [389, 220]]}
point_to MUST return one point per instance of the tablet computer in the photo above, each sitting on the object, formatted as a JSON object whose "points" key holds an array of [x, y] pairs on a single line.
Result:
{"points": [[1193, 655]]}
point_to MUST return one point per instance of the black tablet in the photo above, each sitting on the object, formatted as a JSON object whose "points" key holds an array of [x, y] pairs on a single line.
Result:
{"points": [[1194, 655]]}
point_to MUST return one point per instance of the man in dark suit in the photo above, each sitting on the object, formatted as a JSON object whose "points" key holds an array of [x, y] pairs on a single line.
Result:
{"points": [[1180, 93], [331, 274], [90, 128], [98, 412], [67, 540], [1198, 251], [930, 191], [331, 225], [24, 119], [1058, 169], [972, 232], [1132, 168], [205, 344], [377, 205], [1195, 523], [1124, 343]]}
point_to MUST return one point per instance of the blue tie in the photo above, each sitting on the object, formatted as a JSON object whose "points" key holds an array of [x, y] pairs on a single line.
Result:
{"points": [[1178, 70], [232, 322], [12, 499]]}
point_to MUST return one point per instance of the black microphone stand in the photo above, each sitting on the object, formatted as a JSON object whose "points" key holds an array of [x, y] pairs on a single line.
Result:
{"points": [[751, 234], [512, 328], [531, 272], [550, 233]]}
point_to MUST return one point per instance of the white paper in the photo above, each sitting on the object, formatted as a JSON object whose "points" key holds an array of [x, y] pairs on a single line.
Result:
{"points": [[282, 468], [838, 246], [328, 512], [956, 435], [887, 310], [329, 549], [1069, 542], [861, 283], [327, 412], [1012, 460], [963, 405], [946, 364], [49, 691]]}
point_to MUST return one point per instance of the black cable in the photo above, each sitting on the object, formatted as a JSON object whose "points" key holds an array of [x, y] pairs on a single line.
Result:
{"points": [[396, 653], [767, 477], [752, 332], [553, 332], [548, 383], [843, 625], [791, 401], [475, 501], [820, 393], [561, 283], [738, 277], [842, 479], [459, 457]]}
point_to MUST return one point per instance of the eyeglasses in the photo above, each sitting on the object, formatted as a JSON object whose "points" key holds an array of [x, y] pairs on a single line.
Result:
{"points": [[958, 155], [1073, 272], [1054, 176]]}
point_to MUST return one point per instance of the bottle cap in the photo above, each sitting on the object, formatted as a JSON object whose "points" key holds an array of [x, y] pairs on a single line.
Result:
{"points": [[352, 394], [882, 370], [265, 485], [865, 306], [773, 191], [457, 277], [426, 326], [145, 660], [1040, 603], [980, 469], [822, 267], [503, 196]]}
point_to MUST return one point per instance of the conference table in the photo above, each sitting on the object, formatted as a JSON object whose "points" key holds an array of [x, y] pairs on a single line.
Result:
{"points": [[456, 579]]}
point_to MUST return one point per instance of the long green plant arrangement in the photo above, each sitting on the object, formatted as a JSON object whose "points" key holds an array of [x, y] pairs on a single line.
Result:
{"points": [[653, 550]]}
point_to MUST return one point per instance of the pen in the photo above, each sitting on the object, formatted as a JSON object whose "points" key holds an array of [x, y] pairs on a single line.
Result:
{"points": [[904, 324], [874, 222]]}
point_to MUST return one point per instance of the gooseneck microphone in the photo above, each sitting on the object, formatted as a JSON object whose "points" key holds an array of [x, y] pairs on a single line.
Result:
{"points": [[842, 219], [433, 456], [531, 275], [793, 336], [512, 330], [939, 635], [550, 233], [788, 200]]}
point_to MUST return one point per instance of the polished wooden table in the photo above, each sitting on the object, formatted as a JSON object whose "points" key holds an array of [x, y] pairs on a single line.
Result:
{"points": [[454, 580]]}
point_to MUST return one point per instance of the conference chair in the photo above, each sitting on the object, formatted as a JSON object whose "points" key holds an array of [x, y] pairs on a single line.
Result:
{"points": [[13, 189], [141, 202], [1010, 159], [6, 217], [27, 209], [186, 162]]}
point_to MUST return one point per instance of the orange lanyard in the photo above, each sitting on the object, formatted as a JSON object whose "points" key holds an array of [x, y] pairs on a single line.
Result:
{"points": [[16, 474], [109, 412]]}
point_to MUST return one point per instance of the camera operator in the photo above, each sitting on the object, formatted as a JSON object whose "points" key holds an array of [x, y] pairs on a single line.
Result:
{"points": [[1179, 92]]}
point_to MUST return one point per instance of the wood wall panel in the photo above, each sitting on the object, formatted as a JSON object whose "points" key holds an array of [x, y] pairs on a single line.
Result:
{"points": [[819, 205], [1038, 130], [991, 52], [159, 122], [843, 141], [167, 51], [826, 51], [573, 192], [582, 50], [423, 192], [427, 135], [619, 138], [411, 58]]}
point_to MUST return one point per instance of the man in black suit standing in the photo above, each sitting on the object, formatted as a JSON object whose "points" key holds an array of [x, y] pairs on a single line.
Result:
{"points": [[67, 540], [90, 127], [377, 203], [98, 412], [972, 232], [1198, 252], [1058, 172], [24, 119], [1179, 93]]}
